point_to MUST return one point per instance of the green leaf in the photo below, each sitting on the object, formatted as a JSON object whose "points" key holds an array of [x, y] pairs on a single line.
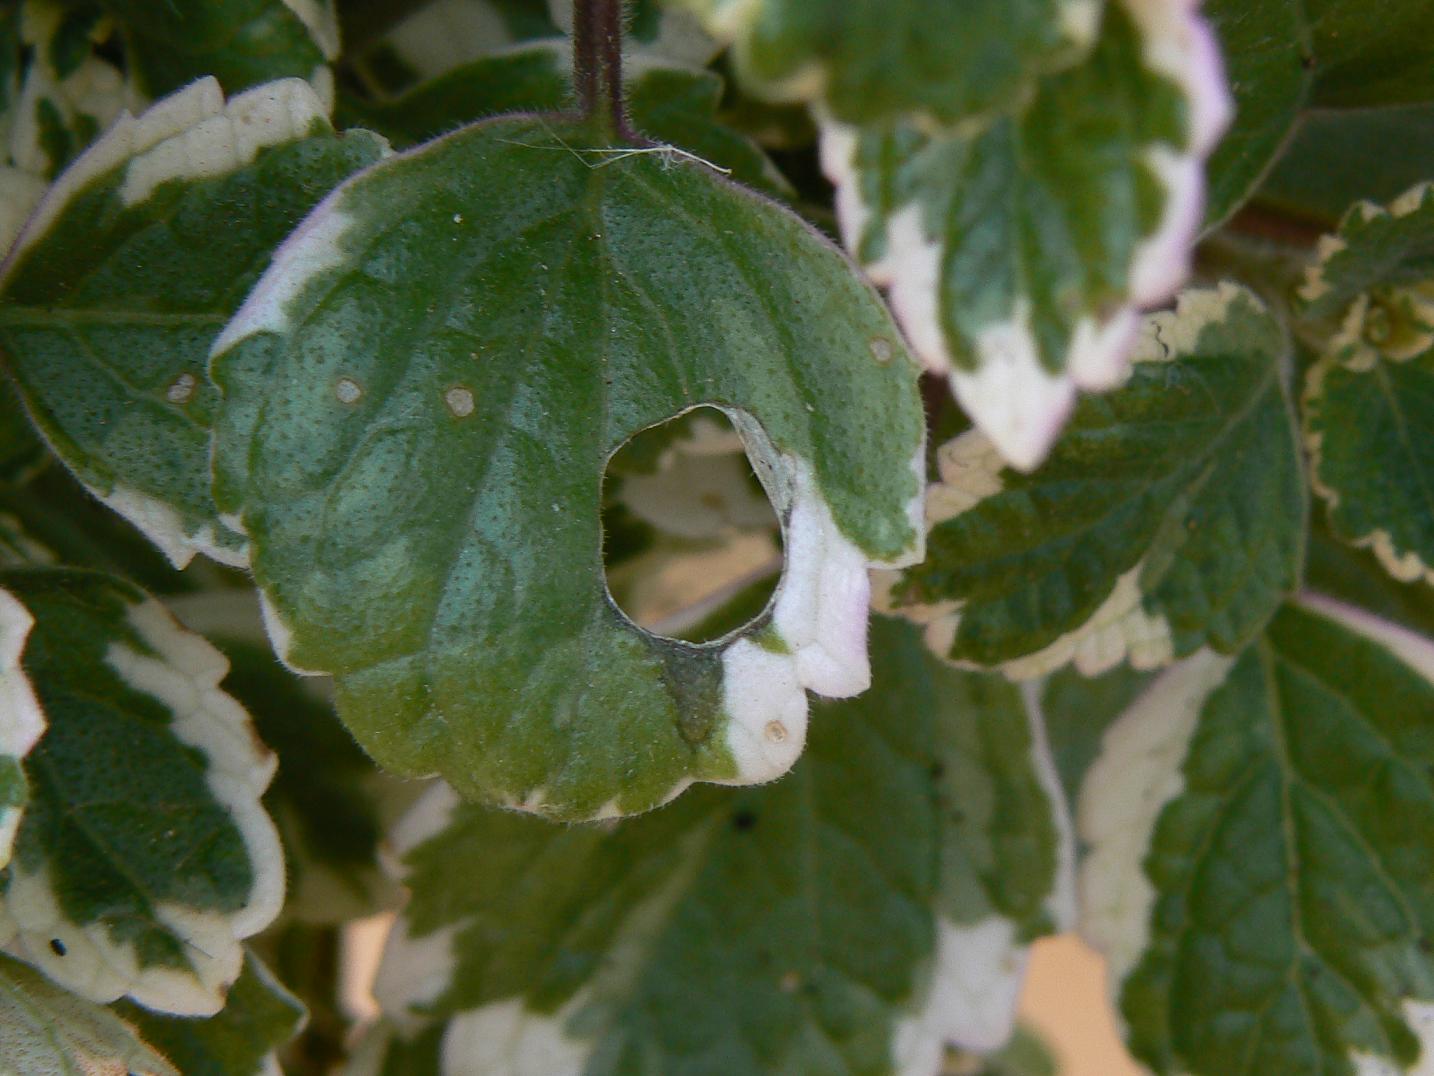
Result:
{"points": [[1327, 165], [867, 61], [258, 1017], [127, 272], [144, 855], [444, 34], [654, 29], [1385, 253], [419, 406], [1270, 66], [241, 43], [1262, 834], [382, 1051], [1364, 61], [673, 105], [1170, 516], [1018, 255], [853, 917], [21, 720], [1369, 430], [1355, 577], [1024, 1055], [45, 1029]]}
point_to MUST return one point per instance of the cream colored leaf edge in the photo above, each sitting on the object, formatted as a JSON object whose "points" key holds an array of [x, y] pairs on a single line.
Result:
{"points": [[1011, 396], [192, 134], [182, 673], [1405, 565], [731, 22], [970, 470], [1316, 284], [22, 721], [1138, 772]]}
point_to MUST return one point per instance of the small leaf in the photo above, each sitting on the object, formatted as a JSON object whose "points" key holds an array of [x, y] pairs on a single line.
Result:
{"points": [[241, 43], [1369, 429], [1262, 838], [1170, 516], [21, 720], [674, 105], [1269, 64], [868, 61], [47, 1030], [1388, 251], [1018, 255], [144, 854], [258, 1017], [418, 411], [128, 270], [737, 932]]}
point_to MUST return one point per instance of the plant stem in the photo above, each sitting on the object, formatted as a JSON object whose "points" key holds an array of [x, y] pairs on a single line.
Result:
{"points": [[597, 64]]}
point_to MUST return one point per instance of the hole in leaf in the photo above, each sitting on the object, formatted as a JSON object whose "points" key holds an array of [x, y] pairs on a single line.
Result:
{"points": [[692, 549]]}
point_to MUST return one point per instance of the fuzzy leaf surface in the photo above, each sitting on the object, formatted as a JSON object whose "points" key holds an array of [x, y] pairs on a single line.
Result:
{"points": [[138, 256], [46, 1029], [853, 917], [418, 410], [1170, 515], [143, 855], [1262, 835], [876, 60], [1019, 254]]}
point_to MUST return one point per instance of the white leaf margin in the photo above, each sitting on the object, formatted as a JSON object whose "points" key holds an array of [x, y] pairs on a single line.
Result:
{"points": [[1010, 396], [191, 134], [969, 469], [22, 721], [183, 674], [1138, 772]]}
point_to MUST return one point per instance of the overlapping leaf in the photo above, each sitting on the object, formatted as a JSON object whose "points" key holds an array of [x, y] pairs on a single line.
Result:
{"points": [[671, 104], [46, 1029], [420, 398], [867, 61], [241, 43], [143, 855], [1368, 400], [258, 1017], [1019, 254], [1262, 834], [111, 297], [1171, 515], [856, 916], [21, 720], [1269, 63]]}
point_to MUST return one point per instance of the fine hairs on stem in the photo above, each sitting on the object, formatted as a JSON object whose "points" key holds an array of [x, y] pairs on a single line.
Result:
{"points": [[597, 64]]}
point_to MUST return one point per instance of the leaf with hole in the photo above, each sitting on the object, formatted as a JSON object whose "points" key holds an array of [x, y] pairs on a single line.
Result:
{"points": [[1018, 255], [1170, 516], [418, 411], [144, 855], [1261, 833], [734, 932], [128, 271]]}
